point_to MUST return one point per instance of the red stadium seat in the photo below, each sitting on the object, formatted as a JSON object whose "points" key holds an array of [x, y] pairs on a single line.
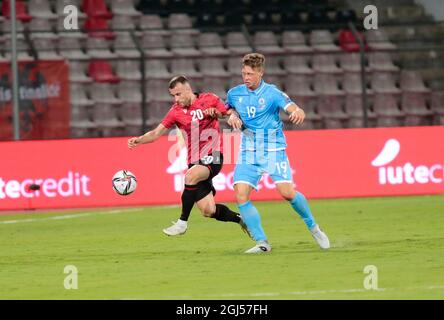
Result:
{"points": [[348, 42], [98, 28], [20, 10], [101, 71], [96, 9]]}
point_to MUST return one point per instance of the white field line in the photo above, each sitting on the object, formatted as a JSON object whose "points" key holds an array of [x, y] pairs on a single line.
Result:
{"points": [[302, 293], [69, 216]]}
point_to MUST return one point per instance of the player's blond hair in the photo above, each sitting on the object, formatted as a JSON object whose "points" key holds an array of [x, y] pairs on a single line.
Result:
{"points": [[254, 60]]}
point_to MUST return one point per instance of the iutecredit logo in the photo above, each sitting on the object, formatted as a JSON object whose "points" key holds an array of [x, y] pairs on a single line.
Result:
{"points": [[73, 184], [407, 173]]}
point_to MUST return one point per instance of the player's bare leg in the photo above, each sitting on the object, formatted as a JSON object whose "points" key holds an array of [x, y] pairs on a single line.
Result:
{"points": [[300, 205], [251, 217], [193, 176], [220, 212]]}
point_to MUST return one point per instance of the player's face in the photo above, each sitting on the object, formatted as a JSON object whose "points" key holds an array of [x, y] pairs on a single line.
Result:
{"points": [[252, 77], [182, 94]]}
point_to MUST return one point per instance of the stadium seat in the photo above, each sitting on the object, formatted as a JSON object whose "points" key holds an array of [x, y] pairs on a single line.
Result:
{"points": [[103, 93], [181, 23], [210, 44], [413, 103], [237, 43], [128, 70], [96, 9], [298, 86], [154, 46], [157, 91], [216, 86], [78, 95], [131, 115], [129, 92], [384, 83], [99, 48], [294, 42], [20, 27], [266, 42], [77, 72], [46, 49], [326, 84], [387, 110], [21, 10], [322, 40], [351, 62], [105, 117], [122, 23], [297, 64], [331, 107], [41, 9], [157, 69], [348, 42], [411, 81], [125, 47], [318, 17], [325, 63], [414, 106], [381, 62], [437, 106], [98, 28], [182, 45], [378, 40], [352, 84], [101, 71], [153, 24], [185, 66], [71, 48], [290, 18], [41, 28], [261, 20], [124, 7], [80, 117], [23, 50], [354, 110], [213, 67]]}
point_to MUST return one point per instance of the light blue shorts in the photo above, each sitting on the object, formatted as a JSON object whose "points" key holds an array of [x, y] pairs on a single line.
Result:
{"points": [[252, 165]]}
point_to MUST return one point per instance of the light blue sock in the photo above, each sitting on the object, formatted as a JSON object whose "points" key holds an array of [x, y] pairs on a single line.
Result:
{"points": [[252, 219], [300, 205]]}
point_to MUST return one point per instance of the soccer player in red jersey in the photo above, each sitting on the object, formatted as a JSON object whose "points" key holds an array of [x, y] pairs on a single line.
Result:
{"points": [[196, 115]]}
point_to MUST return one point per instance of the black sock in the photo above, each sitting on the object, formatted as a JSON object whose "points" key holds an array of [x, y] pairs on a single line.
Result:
{"points": [[188, 199], [223, 213]]}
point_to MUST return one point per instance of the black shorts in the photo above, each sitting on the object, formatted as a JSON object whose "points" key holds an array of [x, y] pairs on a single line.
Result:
{"points": [[214, 163]]}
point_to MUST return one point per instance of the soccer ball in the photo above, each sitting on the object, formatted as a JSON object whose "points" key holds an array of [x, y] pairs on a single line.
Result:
{"points": [[124, 182]]}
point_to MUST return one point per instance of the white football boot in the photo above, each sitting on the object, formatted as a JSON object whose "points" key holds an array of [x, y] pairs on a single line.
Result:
{"points": [[320, 237], [179, 227], [260, 247]]}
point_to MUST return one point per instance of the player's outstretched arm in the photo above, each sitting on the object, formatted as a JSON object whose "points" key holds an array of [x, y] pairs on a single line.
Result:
{"points": [[148, 137], [297, 115]]}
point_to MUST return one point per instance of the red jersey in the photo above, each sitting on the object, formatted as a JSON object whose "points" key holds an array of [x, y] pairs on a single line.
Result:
{"points": [[201, 131]]}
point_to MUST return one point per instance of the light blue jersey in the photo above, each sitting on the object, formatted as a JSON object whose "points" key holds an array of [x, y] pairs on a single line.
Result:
{"points": [[259, 112]]}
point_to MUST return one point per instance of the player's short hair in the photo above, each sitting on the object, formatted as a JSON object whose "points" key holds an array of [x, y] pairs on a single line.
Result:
{"points": [[254, 60], [177, 79]]}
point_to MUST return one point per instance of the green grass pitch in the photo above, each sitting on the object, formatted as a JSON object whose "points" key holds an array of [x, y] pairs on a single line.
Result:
{"points": [[123, 254]]}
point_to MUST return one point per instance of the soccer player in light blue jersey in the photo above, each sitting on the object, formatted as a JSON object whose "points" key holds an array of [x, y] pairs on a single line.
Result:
{"points": [[262, 149]]}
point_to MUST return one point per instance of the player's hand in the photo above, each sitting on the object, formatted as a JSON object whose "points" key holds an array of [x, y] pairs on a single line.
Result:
{"points": [[212, 112], [133, 142], [234, 121], [297, 116]]}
